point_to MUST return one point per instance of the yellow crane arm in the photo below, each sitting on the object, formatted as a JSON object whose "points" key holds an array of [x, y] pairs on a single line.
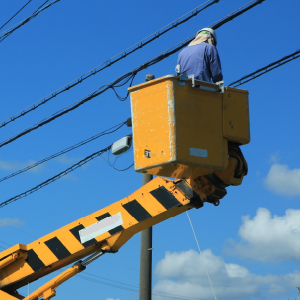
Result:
{"points": [[107, 230]]}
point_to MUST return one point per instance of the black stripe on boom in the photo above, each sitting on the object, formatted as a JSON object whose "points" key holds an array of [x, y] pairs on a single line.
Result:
{"points": [[113, 231], [165, 198], [34, 261], [137, 211], [57, 248], [188, 191], [75, 232], [106, 215], [116, 230]]}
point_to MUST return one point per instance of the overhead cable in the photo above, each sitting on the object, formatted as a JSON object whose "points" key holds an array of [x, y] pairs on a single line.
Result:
{"points": [[235, 14], [43, 4], [132, 288], [111, 61], [123, 79], [54, 178], [15, 14], [8, 32], [5, 243], [266, 69], [107, 131], [15, 228], [112, 165]]}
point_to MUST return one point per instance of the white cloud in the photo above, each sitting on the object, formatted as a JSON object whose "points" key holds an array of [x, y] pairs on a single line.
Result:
{"points": [[283, 181], [66, 160], [267, 238], [274, 158], [11, 222], [16, 165], [183, 274], [112, 299]]}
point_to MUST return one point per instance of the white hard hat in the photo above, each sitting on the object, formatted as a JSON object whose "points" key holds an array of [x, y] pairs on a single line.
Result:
{"points": [[212, 32]]}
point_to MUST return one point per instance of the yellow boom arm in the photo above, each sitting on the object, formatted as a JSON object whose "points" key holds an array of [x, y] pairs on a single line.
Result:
{"points": [[106, 230]]}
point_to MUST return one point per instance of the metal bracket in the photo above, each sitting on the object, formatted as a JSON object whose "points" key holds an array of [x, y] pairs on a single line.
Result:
{"points": [[192, 77], [221, 86], [183, 78]]}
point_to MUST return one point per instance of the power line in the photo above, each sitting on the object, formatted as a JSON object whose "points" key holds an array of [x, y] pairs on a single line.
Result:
{"points": [[8, 32], [112, 165], [5, 243], [111, 61], [133, 288], [15, 14], [107, 131], [106, 283], [235, 14], [125, 78], [71, 107], [43, 4], [17, 229], [109, 279], [54, 178], [266, 69]]}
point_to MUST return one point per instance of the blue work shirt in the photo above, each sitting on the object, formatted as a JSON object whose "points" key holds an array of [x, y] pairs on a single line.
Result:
{"points": [[202, 60]]}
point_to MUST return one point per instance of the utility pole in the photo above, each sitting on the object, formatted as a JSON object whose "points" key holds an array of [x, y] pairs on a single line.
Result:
{"points": [[298, 292], [146, 247]]}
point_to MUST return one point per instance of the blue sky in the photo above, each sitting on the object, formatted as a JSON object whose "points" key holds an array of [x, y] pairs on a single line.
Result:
{"points": [[250, 242]]}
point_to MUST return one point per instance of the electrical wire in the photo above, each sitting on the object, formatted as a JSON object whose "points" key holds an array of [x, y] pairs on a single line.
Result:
{"points": [[43, 4], [69, 108], [266, 69], [5, 243], [111, 61], [112, 165], [109, 279], [201, 254], [132, 288], [56, 177], [17, 229], [126, 77], [8, 32], [121, 170], [235, 14], [15, 14], [105, 132]]}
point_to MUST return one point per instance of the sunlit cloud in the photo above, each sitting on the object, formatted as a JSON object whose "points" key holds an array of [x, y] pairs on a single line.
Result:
{"points": [[268, 238], [283, 181], [11, 222], [183, 275], [15, 165], [66, 160]]}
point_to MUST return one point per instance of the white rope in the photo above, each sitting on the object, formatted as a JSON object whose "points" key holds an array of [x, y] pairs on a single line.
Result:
{"points": [[201, 255]]}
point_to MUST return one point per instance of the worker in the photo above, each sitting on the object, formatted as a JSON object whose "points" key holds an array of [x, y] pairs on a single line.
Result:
{"points": [[201, 57]]}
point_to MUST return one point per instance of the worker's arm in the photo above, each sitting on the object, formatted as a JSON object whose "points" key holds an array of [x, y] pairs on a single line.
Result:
{"points": [[215, 64]]}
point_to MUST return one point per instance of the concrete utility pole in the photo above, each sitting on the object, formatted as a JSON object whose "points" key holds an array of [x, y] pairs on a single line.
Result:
{"points": [[146, 247]]}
